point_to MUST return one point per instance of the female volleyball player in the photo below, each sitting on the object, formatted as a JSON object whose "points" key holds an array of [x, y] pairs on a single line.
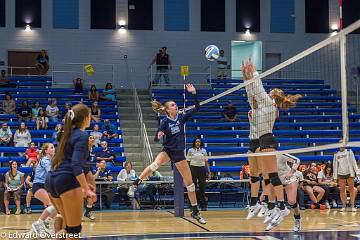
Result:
{"points": [[90, 177], [172, 127], [44, 165], [66, 183], [264, 111]]}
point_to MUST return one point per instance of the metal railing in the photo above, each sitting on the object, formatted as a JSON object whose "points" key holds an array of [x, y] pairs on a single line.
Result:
{"points": [[144, 139]]}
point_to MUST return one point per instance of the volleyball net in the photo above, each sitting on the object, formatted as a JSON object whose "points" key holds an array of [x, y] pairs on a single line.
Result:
{"points": [[325, 80]]}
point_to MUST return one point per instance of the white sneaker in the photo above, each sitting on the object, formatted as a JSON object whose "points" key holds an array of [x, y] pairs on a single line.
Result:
{"points": [[297, 225], [270, 215], [276, 220], [40, 228], [327, 205], [285, 212], [197, 216], [253, 210], [343, 209], [263, 211], [131, 191], [353, 209], [334, 204]]}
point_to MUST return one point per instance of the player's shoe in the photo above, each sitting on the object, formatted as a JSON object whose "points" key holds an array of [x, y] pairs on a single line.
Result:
{"points": [[253, 210], [197, 216], [297, 225], [262, 211], [270, 215]]}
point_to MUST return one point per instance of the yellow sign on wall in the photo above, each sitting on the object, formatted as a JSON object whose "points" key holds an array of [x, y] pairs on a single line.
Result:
{"points": [[185, 70]]}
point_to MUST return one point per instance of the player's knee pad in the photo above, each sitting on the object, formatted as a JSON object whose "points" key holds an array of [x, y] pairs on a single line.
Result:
{"points": [[293, 206], [154, 166], [274, 179], [51, 210], [191, 188], [76, 229], [254, 179], [267, 182]]}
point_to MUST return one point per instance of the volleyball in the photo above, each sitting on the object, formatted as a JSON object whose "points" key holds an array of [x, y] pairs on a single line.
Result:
{"points": [[212, 52]]}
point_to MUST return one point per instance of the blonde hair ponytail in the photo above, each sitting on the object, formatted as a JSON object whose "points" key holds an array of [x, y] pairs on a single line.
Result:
{"points": [[158, 107], [284, 101]]}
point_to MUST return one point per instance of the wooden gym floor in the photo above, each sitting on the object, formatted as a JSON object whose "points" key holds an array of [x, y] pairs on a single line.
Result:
{"points": [[224, 224]]}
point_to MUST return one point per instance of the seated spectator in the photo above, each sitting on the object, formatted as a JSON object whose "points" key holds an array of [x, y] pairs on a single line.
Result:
{"points": [[148, 190], [56, 134], [95, 111], [108, 93], [42, 63], [230, 112], [91, 145], [42, 120], [52, 111], [78, 85], [24, 112], [96, 134], [32, 155], [311, 185], [4, 81], [5, 135], [93, 94], [104, 174], [245, 172], [22, 136], [106, 155], [14, 181], [326, 180], [109, 130], [29, 183], [35, 110], [8, 104], [2, 190], [345, 169], [126, 174]]}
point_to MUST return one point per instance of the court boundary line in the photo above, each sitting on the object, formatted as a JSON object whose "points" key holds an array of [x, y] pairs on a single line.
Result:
{"points": [[188, 220]]}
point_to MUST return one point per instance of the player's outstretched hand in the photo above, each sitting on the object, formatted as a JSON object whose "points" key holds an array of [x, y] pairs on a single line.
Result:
{"points": [[191, 88]]}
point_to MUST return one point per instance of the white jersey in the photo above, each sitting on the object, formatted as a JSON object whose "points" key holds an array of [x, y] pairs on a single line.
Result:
{"points": [[283, 162], [263, 117]]}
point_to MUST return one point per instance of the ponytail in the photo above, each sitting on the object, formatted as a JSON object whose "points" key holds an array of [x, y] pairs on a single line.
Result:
{"points": [[284, 101], [158, 107]]}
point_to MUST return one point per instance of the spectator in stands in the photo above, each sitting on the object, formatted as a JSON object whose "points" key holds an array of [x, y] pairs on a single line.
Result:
{"points": [[95, 111], [68, 106], [5, 135], [326, 180], [148, 189], [78, 85], [96, 134], [245, 172], [42, 120], [93, 94], [126, 174], [163, 64], [29, 183], [199, 166], [52, 111], [14, 181], [91, 145], [32, 155], [106, 155], [2, 183], [8, 104], [311, 185], [230, 112], [35, 110], [109, 130], [42, 62], [104, 174], [108, 93], [345, 169], [222, 66], [22, 136], [4, 81], [56, 134], [24, 112]]}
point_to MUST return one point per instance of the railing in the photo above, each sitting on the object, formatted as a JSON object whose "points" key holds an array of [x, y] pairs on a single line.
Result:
{"points": [[144, 139]]}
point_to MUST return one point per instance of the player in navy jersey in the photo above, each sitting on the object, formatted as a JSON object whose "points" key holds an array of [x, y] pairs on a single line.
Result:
{"points": [[66, 183], [172, 129]]}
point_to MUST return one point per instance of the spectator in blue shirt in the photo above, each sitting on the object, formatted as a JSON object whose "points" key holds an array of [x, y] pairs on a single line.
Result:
{"points": [[104, 174], [106, 155], [24, 112], [109, 130]]}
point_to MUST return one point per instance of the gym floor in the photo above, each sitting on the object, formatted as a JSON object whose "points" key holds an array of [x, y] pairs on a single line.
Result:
{"points": [[224, 224]]}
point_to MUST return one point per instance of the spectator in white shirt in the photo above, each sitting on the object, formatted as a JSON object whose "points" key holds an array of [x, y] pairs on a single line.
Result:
{"points": [[222, 66], [96, 134], [345, 169], [126, 174], [5, 135], [22, 136], [52, 111]]}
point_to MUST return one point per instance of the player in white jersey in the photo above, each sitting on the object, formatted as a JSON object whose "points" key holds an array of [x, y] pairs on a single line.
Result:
{"points": [[264, 111]]}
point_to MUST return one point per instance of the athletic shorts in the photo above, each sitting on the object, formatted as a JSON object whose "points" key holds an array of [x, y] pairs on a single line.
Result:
{"points": [[253, 145], [268, 141], [344, 176], [175, 156], [58, 184], [37, 186], [289, 181]]}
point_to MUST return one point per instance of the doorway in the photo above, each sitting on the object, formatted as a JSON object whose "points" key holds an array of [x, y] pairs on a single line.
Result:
{"points": [[241, 51]]}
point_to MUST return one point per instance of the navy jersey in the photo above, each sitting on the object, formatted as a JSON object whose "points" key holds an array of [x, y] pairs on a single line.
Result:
{"points": [[174, 138], [75, 154]]}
